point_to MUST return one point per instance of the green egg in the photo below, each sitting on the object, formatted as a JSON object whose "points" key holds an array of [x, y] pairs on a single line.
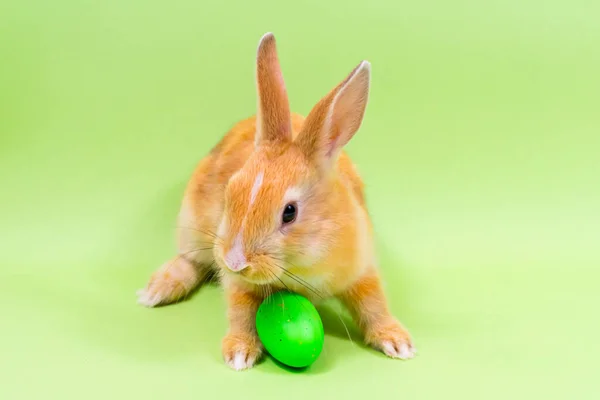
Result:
{"points": [[290, 328]]}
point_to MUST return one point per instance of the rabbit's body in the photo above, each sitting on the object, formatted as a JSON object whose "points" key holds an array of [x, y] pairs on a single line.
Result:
{"points": [[231, 217]]}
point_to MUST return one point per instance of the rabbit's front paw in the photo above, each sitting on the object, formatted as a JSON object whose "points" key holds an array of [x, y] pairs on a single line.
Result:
{"points": [[241, 351], [171, 282], [393, 340]]}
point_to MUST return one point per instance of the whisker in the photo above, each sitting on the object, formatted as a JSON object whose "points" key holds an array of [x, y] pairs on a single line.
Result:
{"points": [[301, 281], [262, 291], [207, 232], [268, 287], [279, 279], [283, 283], [344, 324], [309, 286], [182, 255], [288, 289], [269, 293]]}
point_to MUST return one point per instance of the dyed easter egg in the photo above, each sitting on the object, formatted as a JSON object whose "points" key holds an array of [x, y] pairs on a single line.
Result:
{"points": [[290, 328]]}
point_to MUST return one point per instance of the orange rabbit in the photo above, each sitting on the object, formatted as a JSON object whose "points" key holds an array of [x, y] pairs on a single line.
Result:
{"points": [[277, 204]]}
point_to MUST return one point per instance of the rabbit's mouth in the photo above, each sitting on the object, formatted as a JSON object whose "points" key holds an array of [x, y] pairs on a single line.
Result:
{"points": [[259, 269], [257, 277], [259, 272]]}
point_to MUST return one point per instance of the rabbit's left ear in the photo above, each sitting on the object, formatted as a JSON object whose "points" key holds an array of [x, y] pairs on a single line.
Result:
{"points": [[336, 118], [273, 121]]}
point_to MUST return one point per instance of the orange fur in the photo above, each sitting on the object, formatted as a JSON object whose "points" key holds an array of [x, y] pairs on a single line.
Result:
{"points": [[233, 205], [367, 303]]}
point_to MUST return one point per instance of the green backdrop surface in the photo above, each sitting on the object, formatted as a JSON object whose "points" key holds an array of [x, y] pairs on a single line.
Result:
{"points": [[480, 151]]}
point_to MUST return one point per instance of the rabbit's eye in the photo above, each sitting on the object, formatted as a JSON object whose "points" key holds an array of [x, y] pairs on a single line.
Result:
{"points": [[289, 213]]}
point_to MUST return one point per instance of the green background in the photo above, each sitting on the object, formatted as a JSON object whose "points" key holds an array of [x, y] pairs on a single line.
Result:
{"points": [[480, 151]]}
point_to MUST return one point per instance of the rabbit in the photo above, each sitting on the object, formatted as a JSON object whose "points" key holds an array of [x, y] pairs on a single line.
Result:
{"points": [[277, 204]]}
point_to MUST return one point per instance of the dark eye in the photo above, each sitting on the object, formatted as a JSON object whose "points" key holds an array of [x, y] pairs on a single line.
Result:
{"points": [[289, 213]]}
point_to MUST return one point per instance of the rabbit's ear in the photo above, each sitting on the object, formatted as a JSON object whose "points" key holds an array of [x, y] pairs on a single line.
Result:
{"points": [[273, 121], [336, 118]]}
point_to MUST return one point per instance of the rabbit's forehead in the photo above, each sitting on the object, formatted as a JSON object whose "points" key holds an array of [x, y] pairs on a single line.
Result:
{"points": [[269, 188], [271, 176], [258, 184]]}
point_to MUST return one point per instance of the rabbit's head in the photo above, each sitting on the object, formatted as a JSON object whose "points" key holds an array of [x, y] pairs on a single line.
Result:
{"points": [[282, 208]]}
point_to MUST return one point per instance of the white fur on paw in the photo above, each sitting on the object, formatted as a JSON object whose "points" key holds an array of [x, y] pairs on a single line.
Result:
{"points": [[148, 299], [241, 361], [399, 350]]}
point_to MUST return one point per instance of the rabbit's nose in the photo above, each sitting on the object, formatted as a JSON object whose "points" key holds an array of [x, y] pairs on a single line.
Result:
{"points": [[236, 265], [235, 257]]}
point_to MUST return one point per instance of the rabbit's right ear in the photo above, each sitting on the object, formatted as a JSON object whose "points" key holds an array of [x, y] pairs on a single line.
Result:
{"points": [[273, 120], [336, 118]]}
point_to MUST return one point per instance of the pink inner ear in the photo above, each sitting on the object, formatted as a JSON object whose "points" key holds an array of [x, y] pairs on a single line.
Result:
{"points": [[284, 127], [332, 143], [280, 81]]}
